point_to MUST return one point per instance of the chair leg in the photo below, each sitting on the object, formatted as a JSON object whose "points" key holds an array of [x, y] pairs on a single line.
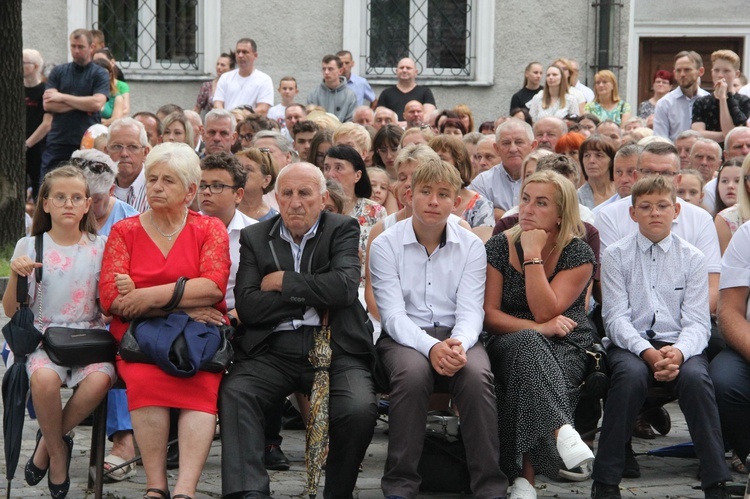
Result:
{"points": [[96, 453]]}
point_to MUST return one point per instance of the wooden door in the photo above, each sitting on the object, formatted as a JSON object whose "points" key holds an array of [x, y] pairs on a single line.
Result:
{"points": [[657, 53]]}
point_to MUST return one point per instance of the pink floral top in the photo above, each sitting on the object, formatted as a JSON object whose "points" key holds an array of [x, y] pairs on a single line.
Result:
{"points": [[367, 213], [732, 217], [70, 282]]}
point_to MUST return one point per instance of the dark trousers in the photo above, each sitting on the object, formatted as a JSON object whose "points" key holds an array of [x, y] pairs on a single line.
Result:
{"points": [[730, 373], [53, 155], [412, 381], [631, 379], [256, 385]]}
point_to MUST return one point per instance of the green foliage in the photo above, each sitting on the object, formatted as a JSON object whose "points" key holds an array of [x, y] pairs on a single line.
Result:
{"points": [[5, 253]]}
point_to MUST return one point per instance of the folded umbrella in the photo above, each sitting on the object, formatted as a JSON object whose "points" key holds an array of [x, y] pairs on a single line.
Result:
{"points": [[317, 425], [23, 338]]}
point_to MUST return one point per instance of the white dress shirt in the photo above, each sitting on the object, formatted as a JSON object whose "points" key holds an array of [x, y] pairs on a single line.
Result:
{"points": [[588, 94], [709, 195], [735, 266], [693, 224], [238, 222], [674, 113], [498, 186], [655, 291], [415, 290]]}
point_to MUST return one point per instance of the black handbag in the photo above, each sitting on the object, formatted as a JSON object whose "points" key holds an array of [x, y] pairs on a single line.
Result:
{"points": [[442, 465], [67, 346], [596, 381], [130, 350]]}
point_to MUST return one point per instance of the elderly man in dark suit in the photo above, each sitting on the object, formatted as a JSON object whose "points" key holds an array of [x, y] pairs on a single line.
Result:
{"points": [[294, 268]]}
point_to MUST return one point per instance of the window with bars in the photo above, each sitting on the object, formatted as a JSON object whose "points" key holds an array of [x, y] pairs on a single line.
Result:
{"points": [[150, 34], [437, 34]]}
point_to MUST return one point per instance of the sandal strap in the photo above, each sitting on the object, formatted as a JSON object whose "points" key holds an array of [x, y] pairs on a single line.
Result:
{"points": [[182, 496], [162, 494]]}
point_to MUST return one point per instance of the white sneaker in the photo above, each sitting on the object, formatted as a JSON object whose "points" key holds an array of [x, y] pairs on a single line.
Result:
{"points": [[522, 489], [573, 451], [580, 474]]}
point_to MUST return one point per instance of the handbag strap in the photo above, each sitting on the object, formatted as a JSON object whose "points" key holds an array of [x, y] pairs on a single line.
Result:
{"points": [[179, 290], [39, 248]]}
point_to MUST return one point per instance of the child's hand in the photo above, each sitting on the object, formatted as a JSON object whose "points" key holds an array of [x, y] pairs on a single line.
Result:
{"points": [[124, 284], [24, 266]]}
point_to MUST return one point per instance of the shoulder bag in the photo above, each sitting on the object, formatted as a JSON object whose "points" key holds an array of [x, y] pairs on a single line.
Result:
{"points": [[67, 346]]}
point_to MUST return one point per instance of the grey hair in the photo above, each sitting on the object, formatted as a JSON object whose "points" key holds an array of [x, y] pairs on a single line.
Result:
{"points": [[284, 144], [704, 140], [686, 134], [629, 151], [560, 124], [308, 166], [732, 132], [178, 156], [219, 114], [514, 123], [126, 122], [472, 138], [99, 183]]}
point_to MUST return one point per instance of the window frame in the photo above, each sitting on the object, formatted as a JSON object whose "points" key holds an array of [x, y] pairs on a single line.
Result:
{"points": [[208, 35], [355, 40]]}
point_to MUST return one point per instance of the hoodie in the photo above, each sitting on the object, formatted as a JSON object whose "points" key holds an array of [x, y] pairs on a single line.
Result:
{"points": [[340, 101]]}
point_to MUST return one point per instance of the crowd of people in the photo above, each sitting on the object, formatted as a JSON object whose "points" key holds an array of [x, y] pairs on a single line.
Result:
{"points": [[481, 260]]}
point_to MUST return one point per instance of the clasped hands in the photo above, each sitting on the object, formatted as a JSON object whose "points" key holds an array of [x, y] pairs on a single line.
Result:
{"points": [[137, 302], [665, 362], [448, 357]]}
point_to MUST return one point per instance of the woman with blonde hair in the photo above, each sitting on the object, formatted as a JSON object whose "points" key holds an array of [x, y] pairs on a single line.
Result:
{"points": [[555, 99], [113, 108], [607, 104], [261, 172], [175, 127], [465, 115], [537, 276]]}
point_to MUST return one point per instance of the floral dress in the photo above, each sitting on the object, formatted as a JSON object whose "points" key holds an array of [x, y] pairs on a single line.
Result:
{"points": [[615, 114], [69, 298], [367, 213]]}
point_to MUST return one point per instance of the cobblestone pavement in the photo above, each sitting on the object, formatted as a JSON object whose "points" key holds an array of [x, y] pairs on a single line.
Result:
{"points": [[661, 477]]}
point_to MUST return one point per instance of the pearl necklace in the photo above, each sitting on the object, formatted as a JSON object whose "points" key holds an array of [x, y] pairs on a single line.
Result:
{"points": [[169, 236]]}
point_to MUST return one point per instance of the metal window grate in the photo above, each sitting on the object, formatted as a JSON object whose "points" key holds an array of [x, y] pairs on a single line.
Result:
{"points": [[150, 34], [437, 34]]}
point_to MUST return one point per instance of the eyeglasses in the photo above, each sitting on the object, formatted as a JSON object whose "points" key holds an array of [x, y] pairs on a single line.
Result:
{"points": [[647, 172], [59, 200], [214, 188], [132, 148], [647, 208], [246, 138], [95, 166]]}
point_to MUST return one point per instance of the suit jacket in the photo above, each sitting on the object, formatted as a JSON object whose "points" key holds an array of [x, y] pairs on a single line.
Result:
{"points": [[329, 279]]}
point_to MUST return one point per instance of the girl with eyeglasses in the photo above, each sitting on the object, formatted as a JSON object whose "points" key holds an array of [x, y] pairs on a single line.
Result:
{"points": [[66, 296]]}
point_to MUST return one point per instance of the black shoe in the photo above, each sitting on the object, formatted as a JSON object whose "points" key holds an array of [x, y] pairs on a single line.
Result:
{"points": [[717, 491], [173, 456], [59, 491], [601, 491], [632, 469], [32, 474], [274, 458], [659, 418]]}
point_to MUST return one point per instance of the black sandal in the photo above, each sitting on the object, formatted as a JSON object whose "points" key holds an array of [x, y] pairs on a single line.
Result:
{"points": [[32, 474], [162, 494]]}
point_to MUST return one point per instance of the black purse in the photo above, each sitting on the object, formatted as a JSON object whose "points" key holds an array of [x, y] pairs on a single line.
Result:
{"points": [[67, 346], [596, 383]]}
